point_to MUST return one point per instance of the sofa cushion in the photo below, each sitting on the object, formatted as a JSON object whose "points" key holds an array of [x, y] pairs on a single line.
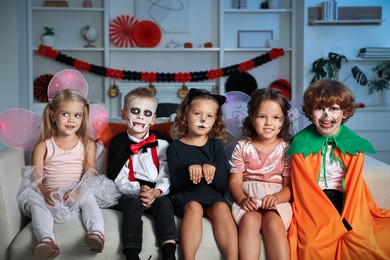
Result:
{"points": [[70, 239]]}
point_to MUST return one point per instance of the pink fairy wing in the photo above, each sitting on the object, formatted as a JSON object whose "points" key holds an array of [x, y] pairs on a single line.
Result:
{"points": [[67, 79], [234, 111], [19, 128], [98, 120]]}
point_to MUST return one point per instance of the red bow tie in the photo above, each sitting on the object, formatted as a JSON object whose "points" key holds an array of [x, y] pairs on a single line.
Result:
{"points": [[135, 148]]}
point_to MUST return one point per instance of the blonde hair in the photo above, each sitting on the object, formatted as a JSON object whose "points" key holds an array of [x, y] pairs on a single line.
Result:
{"points": [[49, 128]]}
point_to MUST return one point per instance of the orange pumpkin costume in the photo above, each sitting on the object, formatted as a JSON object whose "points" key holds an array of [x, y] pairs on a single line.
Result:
{"points": [[317, 230]]}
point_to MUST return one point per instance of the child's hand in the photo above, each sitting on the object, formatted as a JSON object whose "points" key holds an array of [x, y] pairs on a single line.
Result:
{"points": [[269, 201], [70, 196], [195, 173], [48, 198], [248, 204], [148, 195], [208, 172]]}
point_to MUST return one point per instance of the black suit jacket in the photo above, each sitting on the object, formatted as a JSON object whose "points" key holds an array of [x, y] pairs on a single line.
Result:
{"points": [[119, 151]]}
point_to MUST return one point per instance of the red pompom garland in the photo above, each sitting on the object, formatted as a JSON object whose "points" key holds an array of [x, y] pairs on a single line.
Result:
{"points": [[151, 77]]}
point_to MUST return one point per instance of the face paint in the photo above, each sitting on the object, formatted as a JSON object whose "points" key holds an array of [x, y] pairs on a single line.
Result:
{"points": [[140, 115], [327, 119]]}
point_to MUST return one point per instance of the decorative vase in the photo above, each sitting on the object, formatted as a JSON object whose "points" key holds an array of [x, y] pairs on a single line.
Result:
{"points": [[48, 40]]}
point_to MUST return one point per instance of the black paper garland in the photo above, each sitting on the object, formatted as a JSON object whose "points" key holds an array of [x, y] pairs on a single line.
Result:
{"points": [[151, 77]]}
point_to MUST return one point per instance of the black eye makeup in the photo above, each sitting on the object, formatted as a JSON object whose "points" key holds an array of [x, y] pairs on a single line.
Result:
{"points": [[135, 110], [148, 113]]}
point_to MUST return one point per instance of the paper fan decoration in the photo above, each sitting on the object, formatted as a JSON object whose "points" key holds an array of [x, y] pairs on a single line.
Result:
{"points": [[121, 31], [40, 87], [147, 34], [284, 86]]}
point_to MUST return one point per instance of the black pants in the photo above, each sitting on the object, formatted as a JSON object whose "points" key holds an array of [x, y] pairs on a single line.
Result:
{"points": [[132, 226], [336, 197]]}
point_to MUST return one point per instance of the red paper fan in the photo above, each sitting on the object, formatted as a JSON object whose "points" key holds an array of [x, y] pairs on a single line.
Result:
{"points": [[40, 87], [121, 31], [147, 34]]}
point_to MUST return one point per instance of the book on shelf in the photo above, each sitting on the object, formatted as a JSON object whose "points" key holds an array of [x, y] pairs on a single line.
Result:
{"points": [[55, 3], [375, 55], [375, 49]]}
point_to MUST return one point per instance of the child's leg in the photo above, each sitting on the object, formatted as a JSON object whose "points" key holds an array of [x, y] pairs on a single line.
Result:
{"points": [[132, 226], [276, 243], [249, 244], [42, 222], [162, 211], [224, 228], [191, 229], [91, 214]]}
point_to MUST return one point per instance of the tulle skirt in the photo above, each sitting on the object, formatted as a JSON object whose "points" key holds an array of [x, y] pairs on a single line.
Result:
{"points": [[104, 190], [259, 190]]}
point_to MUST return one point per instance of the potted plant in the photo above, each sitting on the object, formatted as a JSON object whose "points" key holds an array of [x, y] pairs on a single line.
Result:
{"points": [[327, 67], [381, 79], [48, 37]]}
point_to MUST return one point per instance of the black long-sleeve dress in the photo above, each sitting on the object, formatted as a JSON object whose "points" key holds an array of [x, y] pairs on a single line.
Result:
{"points": [[180, 156]]}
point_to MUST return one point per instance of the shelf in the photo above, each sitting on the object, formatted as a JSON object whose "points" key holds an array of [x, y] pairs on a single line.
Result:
{"points": [[69, 9], [257, 11], [346, 22], [252, 49], [362, 15], [98, 49], [118, 49]]}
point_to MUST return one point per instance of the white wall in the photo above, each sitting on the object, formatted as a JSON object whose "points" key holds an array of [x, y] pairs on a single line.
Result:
{"points": [[9, 83]]}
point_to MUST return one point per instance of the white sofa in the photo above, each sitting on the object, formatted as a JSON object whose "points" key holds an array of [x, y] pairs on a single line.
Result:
{"points": [[17, 239]]}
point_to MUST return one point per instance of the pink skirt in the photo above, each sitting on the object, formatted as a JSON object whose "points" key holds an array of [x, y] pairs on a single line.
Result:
{"points": [[259, 190]]}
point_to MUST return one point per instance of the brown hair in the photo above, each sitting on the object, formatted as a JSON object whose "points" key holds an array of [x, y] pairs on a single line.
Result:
{"points": [[258, 97], [49, 128], [180, 127], [327, 92]]}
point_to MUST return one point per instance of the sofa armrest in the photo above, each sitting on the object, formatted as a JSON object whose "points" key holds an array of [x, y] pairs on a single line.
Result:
{"points": [[377, 176], [11, 220]]}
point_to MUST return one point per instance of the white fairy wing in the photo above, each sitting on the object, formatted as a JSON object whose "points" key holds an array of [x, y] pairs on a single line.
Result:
{"points": [[234, 111], [297, 118]]}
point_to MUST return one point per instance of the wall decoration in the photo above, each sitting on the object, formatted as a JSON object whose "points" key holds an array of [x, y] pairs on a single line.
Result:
{"points": [[90, 34], [121, 31], [147, 34], [40, 87], [169, 15], [150, 77], [254, 39]]}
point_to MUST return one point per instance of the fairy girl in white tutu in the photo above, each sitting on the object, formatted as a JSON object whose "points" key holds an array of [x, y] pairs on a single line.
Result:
{"points": [[63, 179]]}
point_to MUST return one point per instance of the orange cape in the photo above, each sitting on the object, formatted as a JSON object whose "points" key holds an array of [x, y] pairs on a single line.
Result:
{"points": [[317, 230]]}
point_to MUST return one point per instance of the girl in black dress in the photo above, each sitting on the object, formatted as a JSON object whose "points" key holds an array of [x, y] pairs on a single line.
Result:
{"points": [[199, 173]]}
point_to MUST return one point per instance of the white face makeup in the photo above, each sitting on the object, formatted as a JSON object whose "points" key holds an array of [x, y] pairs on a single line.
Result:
{"points": [[327, 119], [202, 116], [140, 115]]}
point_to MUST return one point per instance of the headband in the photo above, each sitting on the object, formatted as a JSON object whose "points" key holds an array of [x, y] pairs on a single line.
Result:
{"points": [[194, 92]]}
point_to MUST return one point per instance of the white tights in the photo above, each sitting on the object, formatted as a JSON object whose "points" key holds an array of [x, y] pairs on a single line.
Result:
{"points": [[43, 223]]}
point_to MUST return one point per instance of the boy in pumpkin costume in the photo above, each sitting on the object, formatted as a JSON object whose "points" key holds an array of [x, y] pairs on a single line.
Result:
{"points": [[334, 214]]}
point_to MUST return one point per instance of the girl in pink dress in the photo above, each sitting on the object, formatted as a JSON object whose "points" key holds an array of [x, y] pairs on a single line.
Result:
{"points": [[260, 177], [63, 178]]}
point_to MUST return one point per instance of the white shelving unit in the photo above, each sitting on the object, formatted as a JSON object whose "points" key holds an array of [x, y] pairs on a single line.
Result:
{"points": [[281, 22], [219, 24]]}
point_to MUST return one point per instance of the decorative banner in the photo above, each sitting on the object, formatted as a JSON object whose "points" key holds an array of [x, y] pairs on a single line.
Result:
{"points": [[151, 77]]}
